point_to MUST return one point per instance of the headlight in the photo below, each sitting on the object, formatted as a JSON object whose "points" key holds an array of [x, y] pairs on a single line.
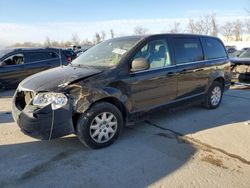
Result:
{"points": [[57, 100]]}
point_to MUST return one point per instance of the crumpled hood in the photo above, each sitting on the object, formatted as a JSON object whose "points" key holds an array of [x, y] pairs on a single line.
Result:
{"points": [[50, 79]]}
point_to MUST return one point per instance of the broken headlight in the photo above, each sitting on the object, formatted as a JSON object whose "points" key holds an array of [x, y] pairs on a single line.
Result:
{"points": [[57, 100]]}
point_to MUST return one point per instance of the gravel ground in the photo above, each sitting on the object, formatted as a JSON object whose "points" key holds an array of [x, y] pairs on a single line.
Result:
{"points": [[181, 147]]}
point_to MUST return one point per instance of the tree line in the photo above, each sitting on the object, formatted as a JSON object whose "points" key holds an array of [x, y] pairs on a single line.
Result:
{"points": [[206, 24]]}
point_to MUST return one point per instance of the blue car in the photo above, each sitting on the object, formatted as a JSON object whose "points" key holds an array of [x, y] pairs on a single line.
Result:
{"points": [[17, 64]]}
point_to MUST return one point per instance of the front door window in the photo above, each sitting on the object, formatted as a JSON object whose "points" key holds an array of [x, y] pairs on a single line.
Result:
{"points": [[156, 52], [16, 59]]}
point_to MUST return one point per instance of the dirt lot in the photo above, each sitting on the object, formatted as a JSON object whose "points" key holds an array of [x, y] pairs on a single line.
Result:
{"points": [[188, 147]]}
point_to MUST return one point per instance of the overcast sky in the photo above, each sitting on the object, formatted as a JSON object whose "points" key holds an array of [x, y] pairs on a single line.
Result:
{"points": [[31, 20]]}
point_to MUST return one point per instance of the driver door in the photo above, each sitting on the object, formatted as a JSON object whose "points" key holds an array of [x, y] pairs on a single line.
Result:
{"points": [[157, 85]]}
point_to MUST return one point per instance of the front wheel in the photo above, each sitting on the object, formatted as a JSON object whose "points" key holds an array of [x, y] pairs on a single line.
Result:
{"points": [[100, 126], [214, 95]]}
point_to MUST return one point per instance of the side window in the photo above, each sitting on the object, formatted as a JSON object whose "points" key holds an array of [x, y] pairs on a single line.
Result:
{"points": [[52, 55], [15, 59], [36, 56], [40, 56], [187, 50], [156, 52], [214, 48]]}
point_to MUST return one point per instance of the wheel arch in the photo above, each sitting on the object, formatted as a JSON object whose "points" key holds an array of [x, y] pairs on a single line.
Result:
{"points": [[116, 102], [112, 100], [217, 76], [221, 80]]}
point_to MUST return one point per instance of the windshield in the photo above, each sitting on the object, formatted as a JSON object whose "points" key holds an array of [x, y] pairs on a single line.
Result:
{"points": [[4, 52], [245, 54], [107, 53]]}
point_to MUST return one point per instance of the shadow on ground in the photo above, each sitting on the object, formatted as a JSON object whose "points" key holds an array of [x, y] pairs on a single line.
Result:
{"points": [[138, 159], [7, 93], [6, 117], [141, 157], [193, 118]]}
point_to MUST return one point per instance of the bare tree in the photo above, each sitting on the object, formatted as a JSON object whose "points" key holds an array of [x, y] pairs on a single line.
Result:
{"points": [[103, 35], [237, 30], [75, 39], [175, 28], [26, 44], [191, 26], [214, 25], [97, 38], [227, 31], [247, 25], [67, 44], [55, 44], [86, 42], [139, 30], [112, 34], [47, 42], [206, 25]]}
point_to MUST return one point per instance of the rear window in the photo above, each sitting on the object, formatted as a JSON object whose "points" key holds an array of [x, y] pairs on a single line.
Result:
{"points": [[187, 50], [214, 48]]}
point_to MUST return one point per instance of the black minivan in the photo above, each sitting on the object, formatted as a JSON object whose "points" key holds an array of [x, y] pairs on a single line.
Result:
{"points": [[111, 82]]}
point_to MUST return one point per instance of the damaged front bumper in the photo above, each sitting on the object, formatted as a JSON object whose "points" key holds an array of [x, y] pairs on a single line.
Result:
{"points": [[240, 72], [41, 123]]}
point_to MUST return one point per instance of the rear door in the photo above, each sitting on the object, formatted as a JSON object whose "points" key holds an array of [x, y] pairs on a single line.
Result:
{"points": [[193, 73], [217, 58], [38, 61]]}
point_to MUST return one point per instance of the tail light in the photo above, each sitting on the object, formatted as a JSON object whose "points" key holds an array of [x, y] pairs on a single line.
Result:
{"points": [[69, 59]]}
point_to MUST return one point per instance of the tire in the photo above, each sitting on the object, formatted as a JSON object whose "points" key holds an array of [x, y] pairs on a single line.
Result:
{"points": [[100, 126], [214, 96]]}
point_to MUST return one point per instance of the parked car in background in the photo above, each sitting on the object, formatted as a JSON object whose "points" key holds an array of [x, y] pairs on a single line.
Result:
{"points": [[17, 64], [241, 68], [231, 50], [109, 84]]}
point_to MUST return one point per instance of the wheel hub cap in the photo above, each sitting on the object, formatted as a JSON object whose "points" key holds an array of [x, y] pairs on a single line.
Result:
{"points": [[216, 96], [103, 127]]}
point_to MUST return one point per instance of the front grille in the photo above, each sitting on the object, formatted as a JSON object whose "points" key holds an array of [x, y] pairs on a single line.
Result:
{"points": [[23, 98]]}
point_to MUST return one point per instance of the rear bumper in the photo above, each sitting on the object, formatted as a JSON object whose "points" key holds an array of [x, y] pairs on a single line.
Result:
{"points": [[38, 123]]}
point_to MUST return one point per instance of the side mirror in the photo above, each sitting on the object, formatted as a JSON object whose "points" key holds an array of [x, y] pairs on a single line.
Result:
{"points": [[2, 63], [139, 64]]}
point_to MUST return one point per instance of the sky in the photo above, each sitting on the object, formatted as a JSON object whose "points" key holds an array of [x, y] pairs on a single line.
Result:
{"points": [[34, 20]]}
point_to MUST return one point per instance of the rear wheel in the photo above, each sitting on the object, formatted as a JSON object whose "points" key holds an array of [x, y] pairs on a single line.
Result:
{"points": [[100, 126], [214, 95]]}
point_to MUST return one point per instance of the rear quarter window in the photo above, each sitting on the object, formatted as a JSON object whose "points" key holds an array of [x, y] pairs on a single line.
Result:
{"points": [[187, 50], [214, 48]]}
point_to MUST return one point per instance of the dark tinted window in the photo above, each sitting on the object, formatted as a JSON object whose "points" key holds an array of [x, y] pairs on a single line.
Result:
{"points": [[40, 56], [187, 50], [214, 48]]}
